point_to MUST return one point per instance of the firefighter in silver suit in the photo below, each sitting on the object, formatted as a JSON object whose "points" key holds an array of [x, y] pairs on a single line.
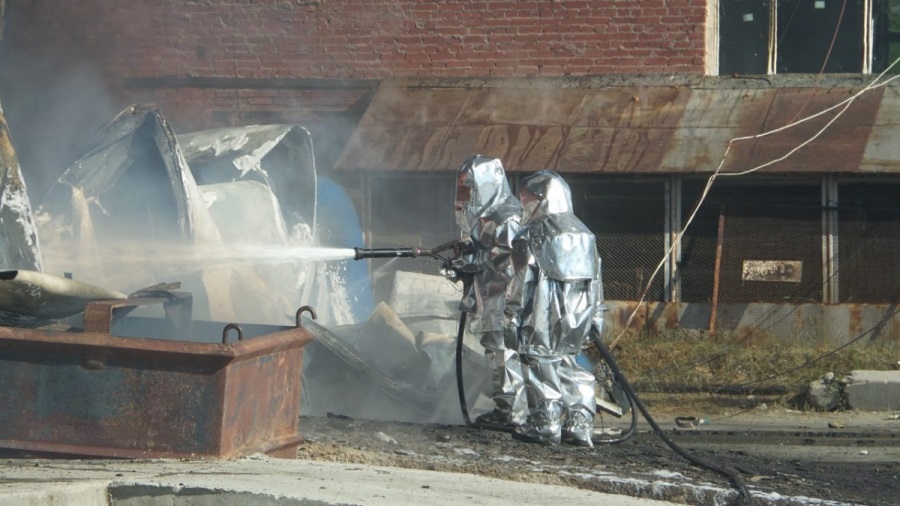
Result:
{"points": [[489, 213], [555, 298]]}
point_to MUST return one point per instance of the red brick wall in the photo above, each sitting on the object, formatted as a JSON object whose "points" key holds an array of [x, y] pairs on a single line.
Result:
{"points": [[374, 38], [107, 42]]}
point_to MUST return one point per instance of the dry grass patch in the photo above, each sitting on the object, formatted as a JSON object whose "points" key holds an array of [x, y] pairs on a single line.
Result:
{"points": [[727, 369]]}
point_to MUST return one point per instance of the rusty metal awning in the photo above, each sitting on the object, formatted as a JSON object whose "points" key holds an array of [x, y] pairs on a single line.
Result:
{"points": [[626, 125]]}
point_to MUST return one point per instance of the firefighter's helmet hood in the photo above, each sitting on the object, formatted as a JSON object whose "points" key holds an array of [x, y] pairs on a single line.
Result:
{"points": [[481, 187], [544, 193]]}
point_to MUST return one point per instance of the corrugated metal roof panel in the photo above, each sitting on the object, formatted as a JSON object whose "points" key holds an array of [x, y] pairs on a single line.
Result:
{"points": [[882, 152], [402, 128], [617, 129], [838, 149]]}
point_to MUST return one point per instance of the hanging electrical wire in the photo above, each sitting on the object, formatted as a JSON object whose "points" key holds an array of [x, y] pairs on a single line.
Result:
{"points": [[843, 105]]}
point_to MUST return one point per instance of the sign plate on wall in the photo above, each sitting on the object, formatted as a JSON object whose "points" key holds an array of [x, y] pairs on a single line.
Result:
{"points": [[772, 270]]}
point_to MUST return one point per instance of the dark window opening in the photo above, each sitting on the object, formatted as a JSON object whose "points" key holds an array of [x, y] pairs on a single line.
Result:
{"points": [[809, 36], [744, 36], [820, 36], [886, 39]]}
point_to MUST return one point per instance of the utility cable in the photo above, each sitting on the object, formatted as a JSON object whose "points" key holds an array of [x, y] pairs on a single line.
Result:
{"points": [[718, 172]]}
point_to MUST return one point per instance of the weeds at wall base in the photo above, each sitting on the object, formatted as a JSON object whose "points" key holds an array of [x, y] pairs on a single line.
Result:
{"points": [[738, 371]]}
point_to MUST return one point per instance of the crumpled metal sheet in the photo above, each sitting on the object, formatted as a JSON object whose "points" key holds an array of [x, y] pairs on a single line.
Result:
{"points": [[30, 298], [340, 378], [136, 187], [132, 147], [19, 247], [259, 153]]}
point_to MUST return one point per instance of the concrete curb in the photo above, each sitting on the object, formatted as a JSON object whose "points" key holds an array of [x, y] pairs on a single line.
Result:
{"points": [[94, 492], [263, 481]]}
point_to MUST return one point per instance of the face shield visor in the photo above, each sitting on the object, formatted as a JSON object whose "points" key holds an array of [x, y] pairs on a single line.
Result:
{"points": [[463, 208]]}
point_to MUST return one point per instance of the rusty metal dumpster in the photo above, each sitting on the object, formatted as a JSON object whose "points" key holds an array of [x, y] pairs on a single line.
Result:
{"points": [[92, 394]]}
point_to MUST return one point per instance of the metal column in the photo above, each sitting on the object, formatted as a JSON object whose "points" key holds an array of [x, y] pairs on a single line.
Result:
{"points": [[672, 225], [830, 293]]}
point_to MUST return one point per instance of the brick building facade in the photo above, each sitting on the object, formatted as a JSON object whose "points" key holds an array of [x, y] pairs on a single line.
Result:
{"points": [[639, 113], [213, 62]]}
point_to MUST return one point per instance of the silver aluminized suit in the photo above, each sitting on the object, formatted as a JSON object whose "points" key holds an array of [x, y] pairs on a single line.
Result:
{"points": [[489, 214], [555, 299]]}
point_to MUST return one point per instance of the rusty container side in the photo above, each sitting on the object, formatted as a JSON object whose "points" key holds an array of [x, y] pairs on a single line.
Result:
{"points": [[91, 394], [261, 405]]}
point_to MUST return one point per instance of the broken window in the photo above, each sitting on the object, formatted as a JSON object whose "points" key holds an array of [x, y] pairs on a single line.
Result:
{"points": [[807, 36]]}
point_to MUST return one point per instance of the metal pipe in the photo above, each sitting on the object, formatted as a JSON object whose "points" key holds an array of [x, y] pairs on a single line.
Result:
{"points": [[363, 253], [444, 252]]}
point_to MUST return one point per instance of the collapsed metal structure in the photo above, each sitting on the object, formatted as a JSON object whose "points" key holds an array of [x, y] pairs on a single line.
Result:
{"points": [[95, 372]]}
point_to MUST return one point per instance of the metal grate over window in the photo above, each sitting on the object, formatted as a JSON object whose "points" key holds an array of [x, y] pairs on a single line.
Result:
{"points": [[869, 239], [771, 243], [628, 220], [771, 235]]}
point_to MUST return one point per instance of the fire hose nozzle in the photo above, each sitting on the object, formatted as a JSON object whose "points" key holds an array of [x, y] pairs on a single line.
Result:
{"points": [[444, 252], [363, 253]]}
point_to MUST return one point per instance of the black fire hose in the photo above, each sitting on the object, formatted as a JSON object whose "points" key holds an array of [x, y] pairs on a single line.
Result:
{"points": [[362, 253], [607, 355], [460, 385], [611, 361]]}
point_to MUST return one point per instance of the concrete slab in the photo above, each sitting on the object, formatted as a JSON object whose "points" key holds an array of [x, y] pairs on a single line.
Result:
{"points": [[412, 294], [90, 492], [261, 480], [873, 390]]}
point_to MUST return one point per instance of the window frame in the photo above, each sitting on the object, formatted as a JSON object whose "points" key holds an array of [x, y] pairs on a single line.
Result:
{"points": [[714, 39]]}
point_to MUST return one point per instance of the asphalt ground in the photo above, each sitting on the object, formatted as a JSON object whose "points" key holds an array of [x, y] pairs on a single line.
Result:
{"points": [[782, 457]]}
